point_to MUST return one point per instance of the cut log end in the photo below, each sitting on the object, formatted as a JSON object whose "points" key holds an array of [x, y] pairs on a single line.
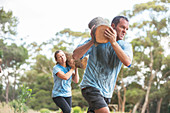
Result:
{"points": [[78, 63], [99, 34]]}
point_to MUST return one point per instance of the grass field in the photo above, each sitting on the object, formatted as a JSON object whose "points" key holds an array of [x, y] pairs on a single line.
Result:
{"points": [[5, 108]]}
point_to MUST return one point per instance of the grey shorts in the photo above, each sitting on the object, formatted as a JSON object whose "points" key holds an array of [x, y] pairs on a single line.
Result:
{"points": [[94, 98]]}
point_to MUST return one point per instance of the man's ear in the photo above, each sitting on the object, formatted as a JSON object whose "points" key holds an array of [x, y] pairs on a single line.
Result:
{"points": [[113, 26]]}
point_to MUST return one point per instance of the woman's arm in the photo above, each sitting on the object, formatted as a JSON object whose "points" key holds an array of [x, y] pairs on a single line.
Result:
{"points": [[75, 76], [65, 76]]}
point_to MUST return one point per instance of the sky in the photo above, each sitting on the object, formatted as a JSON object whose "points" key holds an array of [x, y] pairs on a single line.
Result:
{"points": [[40, 20]]}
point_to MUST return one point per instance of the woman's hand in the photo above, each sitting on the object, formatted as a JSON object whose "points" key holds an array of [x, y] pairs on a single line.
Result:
{"points": [[71, 63]]}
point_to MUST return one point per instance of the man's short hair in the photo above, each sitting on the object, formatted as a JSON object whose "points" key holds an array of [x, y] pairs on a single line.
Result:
{"points": [[116, 20]]}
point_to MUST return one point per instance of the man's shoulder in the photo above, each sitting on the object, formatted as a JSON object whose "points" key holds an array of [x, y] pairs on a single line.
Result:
{"points": [[123, 43]]}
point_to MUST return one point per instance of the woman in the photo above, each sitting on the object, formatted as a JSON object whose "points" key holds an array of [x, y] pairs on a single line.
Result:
{"points": [[63, 72]]}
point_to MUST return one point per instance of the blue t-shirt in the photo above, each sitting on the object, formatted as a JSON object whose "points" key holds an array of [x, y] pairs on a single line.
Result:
{"points": [[103, 66], [61, 87]]}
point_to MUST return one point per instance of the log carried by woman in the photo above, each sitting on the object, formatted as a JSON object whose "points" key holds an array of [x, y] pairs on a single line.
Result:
{"points": [[78, 63]]}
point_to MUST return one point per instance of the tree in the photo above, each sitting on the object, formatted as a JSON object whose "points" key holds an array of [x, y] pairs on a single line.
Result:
{"points": [[13, 57], [0, 60], [123, 84], [135, 94], [19, 104], [39, 79], [151, 30], [67, 39], [42, 88]]}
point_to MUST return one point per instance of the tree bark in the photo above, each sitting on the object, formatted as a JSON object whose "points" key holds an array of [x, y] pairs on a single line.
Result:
{"points": [[7, 90], [13, 93], [135, 107], [147, 96], [147, 109], [159, 105], [0, 64], [150, 83], [124, 97], [119, 100]]}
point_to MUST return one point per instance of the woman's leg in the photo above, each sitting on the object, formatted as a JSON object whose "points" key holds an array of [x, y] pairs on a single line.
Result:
{"points": [[69, 100], [63, 104]]}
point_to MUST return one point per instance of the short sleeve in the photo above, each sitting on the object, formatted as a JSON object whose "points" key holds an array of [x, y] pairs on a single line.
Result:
{"points": [[56, 69], [87, 51], [127, 48]]}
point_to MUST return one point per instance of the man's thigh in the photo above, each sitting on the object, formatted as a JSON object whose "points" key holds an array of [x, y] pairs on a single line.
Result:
{"points": [[94, 98]]}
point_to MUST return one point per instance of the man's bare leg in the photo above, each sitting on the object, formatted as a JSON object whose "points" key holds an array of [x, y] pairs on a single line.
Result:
{"points": [[103, 110]]}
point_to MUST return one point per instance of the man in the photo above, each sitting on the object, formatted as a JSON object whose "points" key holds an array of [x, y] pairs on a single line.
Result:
{"points": [[104, 64]]}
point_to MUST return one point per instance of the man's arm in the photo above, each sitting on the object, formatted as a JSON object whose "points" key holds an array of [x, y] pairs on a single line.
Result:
{"points": [[111, 35], [80, 51], [121, 54]]}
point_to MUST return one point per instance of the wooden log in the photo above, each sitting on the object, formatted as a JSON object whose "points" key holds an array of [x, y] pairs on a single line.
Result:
{"points": [[98, 31], [96, 21], [78, 63]]}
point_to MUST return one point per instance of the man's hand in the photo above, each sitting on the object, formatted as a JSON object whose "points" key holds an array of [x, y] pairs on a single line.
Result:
{"points": [[111, 34]]}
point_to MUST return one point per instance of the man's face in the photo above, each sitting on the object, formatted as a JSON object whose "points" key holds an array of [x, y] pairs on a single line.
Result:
{"points": [[121, 28]]}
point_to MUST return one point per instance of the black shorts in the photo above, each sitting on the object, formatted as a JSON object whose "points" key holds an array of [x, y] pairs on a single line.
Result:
{"points": [[94, 98]]}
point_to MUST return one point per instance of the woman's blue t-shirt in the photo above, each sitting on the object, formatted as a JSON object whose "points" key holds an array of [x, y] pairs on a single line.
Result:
{"points": [[61, 87]]}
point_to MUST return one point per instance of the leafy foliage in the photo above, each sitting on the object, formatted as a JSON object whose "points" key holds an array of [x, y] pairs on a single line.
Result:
{"points": [[78, 99], [148, 49], [8, 23], [19, 104], [42, 88], [44, 110], [69, 33], [13, 55], [77, 109]]}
